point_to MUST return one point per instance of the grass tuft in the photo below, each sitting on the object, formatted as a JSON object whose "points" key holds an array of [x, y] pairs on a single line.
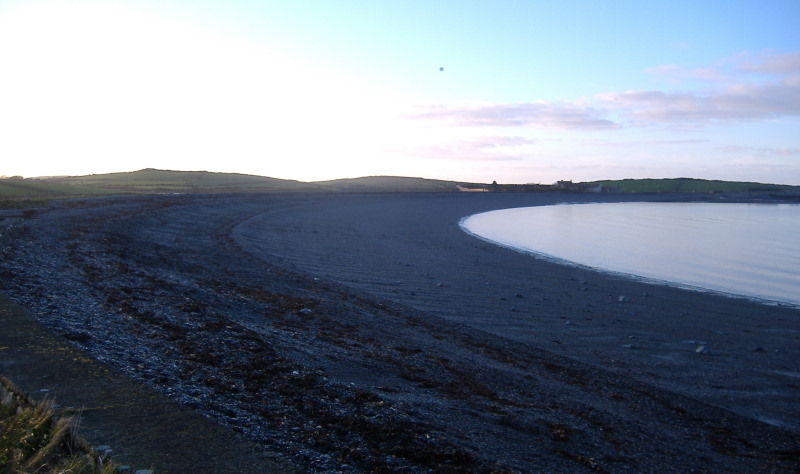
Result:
{"points": [[34, 439]]}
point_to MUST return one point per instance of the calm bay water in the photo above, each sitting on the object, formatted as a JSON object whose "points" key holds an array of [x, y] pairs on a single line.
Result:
{"points": [[744, 249]]}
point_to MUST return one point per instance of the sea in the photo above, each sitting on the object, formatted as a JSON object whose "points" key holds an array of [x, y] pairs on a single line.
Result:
{"points": [[749, 250]]}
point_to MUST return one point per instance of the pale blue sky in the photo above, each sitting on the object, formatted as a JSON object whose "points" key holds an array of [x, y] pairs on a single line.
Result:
{"points": [[530, 92]]}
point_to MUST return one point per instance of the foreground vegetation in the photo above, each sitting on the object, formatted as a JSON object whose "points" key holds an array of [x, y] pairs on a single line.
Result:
{"points": [[33, 439], [19, 192]]}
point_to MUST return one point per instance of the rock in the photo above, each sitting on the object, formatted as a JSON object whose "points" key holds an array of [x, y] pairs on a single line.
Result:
{"points": [[702, 350], [518, 295], [306, 311], [77, 336], [103, 449], [622, 299], [143, 471]]}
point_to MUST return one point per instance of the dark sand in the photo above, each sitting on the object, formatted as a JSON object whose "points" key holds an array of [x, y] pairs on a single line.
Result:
{"points": [[398, 341]]}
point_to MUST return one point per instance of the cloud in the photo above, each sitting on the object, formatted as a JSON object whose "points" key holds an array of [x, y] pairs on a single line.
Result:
{"points": [[735, 103], [647, 143], [781, 64], [762, 151], [485, 148], [676, 74], [745, 87], [733, 69], [553, 115]]}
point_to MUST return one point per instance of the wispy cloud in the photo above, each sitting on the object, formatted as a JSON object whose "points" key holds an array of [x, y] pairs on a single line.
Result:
{"points": [[484, 148], [733, 69], [629, 143], [781, 64], [739, 102], [762, 151], [745, 87], [554, 115], [677, 74]]}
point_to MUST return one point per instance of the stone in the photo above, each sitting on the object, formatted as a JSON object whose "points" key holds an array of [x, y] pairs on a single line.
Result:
{"points": [[103, 449]]}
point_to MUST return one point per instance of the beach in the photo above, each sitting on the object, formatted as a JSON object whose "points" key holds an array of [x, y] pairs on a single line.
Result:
{"points": [[358, 332]]}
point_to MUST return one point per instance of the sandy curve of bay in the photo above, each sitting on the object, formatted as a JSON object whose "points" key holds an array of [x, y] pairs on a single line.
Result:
{"points": [[732, 353]]}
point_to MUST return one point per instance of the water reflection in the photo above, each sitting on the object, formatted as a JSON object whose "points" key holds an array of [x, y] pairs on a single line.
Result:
{"points": [[746, 249]]}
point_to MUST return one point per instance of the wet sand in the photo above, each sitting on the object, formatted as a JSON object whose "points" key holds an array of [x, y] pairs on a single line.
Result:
{"points": [[363, 332]]}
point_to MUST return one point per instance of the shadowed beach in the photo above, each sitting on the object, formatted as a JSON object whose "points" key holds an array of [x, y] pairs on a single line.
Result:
{"points": [[361, 332]]}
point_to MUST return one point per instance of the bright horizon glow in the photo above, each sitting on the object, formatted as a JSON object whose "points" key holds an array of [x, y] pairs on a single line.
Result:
{"points": [[530, 93]]}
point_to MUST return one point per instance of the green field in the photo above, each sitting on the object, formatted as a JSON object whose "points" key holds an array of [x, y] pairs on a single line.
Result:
{"points": [[690, 185], [18, 192]]}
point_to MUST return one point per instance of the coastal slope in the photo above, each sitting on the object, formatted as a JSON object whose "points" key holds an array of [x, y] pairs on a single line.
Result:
{"points": [[360, 332]]}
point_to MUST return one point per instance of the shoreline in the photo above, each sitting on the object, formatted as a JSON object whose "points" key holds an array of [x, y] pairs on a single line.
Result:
{"points": [[766, 300], [344, 340], [449, 290]]}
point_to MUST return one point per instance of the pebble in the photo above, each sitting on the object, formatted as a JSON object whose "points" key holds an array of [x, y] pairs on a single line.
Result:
{"points": [[702, 350], [622, 299], [103, 449]]}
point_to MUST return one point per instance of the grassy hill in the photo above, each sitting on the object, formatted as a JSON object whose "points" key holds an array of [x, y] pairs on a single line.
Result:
{"points": [[15, 192], [162, 181], [388, 184], [689, 185]]}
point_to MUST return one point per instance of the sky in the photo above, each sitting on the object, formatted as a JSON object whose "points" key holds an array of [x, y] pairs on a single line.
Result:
{"points": [[507, 91]]}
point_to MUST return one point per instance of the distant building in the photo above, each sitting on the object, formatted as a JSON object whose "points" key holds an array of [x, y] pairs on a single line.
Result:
{"points": [[585, 187], [471, 190]]}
